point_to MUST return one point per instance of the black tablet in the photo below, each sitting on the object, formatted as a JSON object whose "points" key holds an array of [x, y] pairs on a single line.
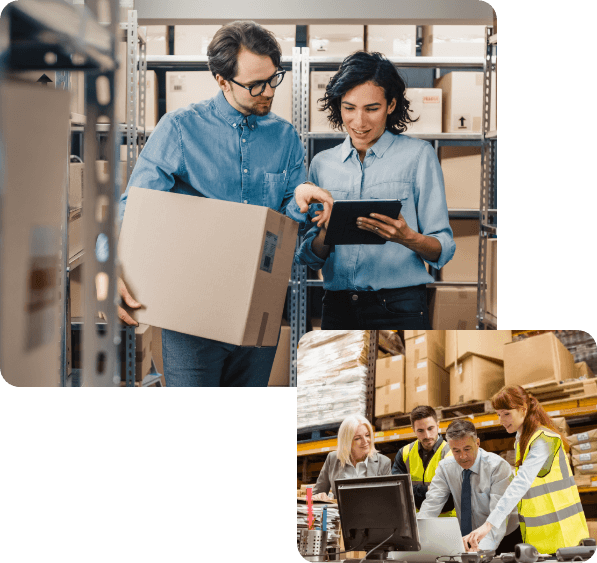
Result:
{"points": [[342, 228]]}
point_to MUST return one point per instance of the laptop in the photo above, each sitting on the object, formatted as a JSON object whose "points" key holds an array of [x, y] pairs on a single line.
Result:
{"points": [[438, 536]]}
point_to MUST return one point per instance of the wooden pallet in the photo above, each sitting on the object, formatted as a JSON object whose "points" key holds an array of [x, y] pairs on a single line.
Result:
{"points": [[465, 409], [393, 421], [550, 390]]}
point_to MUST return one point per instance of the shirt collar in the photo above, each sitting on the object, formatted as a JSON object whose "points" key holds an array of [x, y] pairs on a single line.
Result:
{"points": [[378, 149], [366, 462], [438, 443], [231, 115]]}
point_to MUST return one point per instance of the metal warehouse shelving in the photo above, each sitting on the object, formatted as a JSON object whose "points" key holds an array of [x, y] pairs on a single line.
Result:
{"points": [[54, 35]]}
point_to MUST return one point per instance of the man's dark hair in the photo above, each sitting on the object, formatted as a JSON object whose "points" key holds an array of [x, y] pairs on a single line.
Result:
{"points": [[361, 67], [420, 412], [460, 429], [223, 50]]}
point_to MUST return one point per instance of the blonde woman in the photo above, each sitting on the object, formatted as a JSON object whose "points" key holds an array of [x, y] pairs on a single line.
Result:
{"points": [[356, 457]]}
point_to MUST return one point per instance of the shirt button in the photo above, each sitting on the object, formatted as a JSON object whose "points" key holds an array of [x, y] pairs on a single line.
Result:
{"points": [[245, 121], [244, 140], [245, 201], [246, 170], [355, 297], [234, 125]]}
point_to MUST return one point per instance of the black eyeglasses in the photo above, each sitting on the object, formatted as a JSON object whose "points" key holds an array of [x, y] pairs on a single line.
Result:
{"points": [[259, 87]]}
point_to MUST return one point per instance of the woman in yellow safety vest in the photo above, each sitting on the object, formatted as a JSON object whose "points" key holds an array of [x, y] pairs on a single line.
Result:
{"points": [[549, 508]]}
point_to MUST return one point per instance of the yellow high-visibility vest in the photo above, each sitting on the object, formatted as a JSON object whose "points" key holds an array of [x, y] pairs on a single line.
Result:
{"points": [[419, 474], [550, 513]]}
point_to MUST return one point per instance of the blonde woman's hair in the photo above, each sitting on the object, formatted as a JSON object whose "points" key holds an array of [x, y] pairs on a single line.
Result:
{"points": [[346, 434]]}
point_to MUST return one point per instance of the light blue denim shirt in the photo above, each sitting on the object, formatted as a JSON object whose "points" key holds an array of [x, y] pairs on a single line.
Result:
{"points": [[210, 149], [396, 167]]}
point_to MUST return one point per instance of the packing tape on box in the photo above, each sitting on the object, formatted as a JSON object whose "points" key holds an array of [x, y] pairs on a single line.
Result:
{"points": [[262, 329], [417, 356]]}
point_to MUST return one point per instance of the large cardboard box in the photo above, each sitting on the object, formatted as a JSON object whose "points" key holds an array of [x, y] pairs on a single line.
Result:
{"points": [[168, 240], [280, 374], [487, 344], [462, 101], [475, 379], [184, 88], [453, 308], [335, 40], [392, 40], [536, 359], [157, 39], [588, 436], [389, 399], [75, 232], [561, 424], [193, 39], [431, 344], [426, 105], [75, 184], [286, 37], [35, 126], [464, 266], [426, 384], [461, 167], [453, 41], [581, 459], [583, 371], [318, 119], [586, 469], [389, 371], [583, 448]]}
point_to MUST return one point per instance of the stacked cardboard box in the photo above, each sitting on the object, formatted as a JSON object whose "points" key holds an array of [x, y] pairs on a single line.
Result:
{"points": [[392, 40], [193, 39], [537, 358], [561, 424], [453, 308], [453, 41], [318, 119], [389, 386], [280, 374], [190, 87], [427, 383], [475, 360], [336, 40], [583, 371], [426, 106], [461, 167], [584, 452], [462, 95], [157, 39], [464, 266]]}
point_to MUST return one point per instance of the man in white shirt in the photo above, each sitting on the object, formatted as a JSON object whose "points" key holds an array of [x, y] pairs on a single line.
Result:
{"points": [[476, 479]]}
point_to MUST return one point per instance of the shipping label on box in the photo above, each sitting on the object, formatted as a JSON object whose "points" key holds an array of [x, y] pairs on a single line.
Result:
{"points": [[243, 306], [336, 40], [589, 436], [585, 447]]}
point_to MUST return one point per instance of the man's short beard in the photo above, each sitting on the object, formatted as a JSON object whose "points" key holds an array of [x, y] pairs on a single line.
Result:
{"points": [[254, 110]]}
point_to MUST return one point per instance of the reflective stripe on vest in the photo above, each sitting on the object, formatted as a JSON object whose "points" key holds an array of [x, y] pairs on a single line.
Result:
{"points": [[414, 465], [550, 513]]}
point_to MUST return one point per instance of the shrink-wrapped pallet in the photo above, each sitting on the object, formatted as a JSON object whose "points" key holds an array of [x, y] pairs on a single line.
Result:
{"points": [[331, 376]]}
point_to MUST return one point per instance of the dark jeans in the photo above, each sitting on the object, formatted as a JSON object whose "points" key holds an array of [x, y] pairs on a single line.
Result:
{"points": [[192, 361], [397, 309]]}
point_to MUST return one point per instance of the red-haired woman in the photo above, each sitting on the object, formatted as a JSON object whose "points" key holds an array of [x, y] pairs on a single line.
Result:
{"points": [[549, 509]]}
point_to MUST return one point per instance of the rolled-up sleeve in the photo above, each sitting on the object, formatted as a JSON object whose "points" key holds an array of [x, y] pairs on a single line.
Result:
{"points": [[305, 255], [430, 200]]}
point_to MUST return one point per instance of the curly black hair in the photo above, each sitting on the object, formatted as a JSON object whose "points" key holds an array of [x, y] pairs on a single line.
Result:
{"points": [[361, 67]]}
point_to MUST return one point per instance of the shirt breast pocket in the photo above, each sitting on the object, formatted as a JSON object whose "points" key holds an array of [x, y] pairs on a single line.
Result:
{"points": [[388, 190], [274, 188]]}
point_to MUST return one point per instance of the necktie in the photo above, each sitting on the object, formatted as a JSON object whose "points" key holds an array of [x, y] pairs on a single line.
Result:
{"points": [[466, 517]]}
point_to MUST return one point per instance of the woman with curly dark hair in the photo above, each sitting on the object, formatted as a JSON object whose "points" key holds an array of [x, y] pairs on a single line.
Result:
{"points": [[378, 286]]}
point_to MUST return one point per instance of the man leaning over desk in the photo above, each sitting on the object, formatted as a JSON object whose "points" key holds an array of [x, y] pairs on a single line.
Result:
{"points": [[476, 479]]}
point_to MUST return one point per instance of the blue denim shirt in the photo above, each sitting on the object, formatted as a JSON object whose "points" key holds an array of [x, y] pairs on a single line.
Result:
{"points": [[396, 167], [210, 149]]}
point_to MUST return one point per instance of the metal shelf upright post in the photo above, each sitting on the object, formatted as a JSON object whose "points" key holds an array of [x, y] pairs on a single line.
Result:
{"points": [[488, 203]]}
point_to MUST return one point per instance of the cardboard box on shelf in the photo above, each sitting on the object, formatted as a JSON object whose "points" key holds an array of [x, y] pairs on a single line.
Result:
{"points": [[157, 39], [586, 469], [487, 344], [584, 448], [392, 40], [412, 333], [426, 384], [75, 184], [75, 232], [462, 101], [537, 358], [184, 88], [282, 104], [561, 424], [318, 119], [286, 37], [583, 371], [588, 436], [280, 374], [461, 167], [35, 121], [335, 40], [249, 248], [581, 459], [389, 399], [582, 480], [426, 105], [453, 41], [453, 308], [464, 266], [431, 344], [76, 293], [475, 379], [389, 371], [193, 39]]}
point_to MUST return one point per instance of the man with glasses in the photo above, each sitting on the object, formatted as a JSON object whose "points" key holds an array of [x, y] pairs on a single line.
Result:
{"points": [[230, 148]]}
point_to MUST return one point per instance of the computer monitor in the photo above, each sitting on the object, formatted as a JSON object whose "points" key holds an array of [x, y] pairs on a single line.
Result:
{"points": [[371, 508]]}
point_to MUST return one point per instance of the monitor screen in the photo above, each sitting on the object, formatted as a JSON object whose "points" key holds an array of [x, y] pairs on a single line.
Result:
{"points": [[371, 508]]}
